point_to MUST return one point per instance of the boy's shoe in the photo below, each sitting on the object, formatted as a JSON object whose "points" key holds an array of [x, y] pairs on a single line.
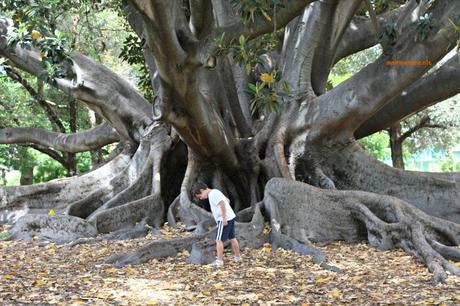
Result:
{"points": [[236, 258], [217, 263]]}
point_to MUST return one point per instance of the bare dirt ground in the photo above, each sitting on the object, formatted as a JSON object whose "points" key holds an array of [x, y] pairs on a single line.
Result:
{"points": [[40, 273]]}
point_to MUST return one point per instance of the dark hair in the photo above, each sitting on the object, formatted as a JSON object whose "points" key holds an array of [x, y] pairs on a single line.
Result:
{"points": [[197, 187]]}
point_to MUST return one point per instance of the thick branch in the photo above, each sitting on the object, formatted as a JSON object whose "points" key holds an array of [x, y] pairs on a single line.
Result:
{"points": [[360, 34], [201, 17], [191, 112], [379, 82], [335, 21], [375, 23], [92, 139], [161, 24], [436, 87], [302, 36], [286, 11], [101, 89]]}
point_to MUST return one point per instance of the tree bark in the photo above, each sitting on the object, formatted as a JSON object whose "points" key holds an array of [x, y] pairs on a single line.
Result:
{"points": [[396, 146], [27, 174]]}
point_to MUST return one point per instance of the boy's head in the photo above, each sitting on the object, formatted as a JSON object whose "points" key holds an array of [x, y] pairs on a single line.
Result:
{"points": [[200, 190]]}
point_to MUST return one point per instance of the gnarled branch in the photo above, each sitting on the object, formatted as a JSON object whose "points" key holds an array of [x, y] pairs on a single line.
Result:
{"points": [[87, 81], [92, 139]]}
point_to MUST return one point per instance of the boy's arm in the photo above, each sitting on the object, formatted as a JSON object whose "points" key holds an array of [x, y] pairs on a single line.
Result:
{"points": [[224, 213]]}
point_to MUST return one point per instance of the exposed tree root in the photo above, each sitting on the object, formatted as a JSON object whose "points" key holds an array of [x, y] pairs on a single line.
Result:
{"points": [[150, 207], [305, 213], [173, 211], [147, 182], [139, 230], [58, 193], [200, 244], [350, 167], [130, 197], [58, 228], [109, 189]]}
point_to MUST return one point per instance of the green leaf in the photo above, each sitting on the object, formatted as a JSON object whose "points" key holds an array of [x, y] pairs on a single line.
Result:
{"points": [[286, 87], [248, 68], [242, 40], [252, 87]]}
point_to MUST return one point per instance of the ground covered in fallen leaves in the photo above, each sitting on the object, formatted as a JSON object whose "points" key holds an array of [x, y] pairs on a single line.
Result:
{"points": [[40, 273]]}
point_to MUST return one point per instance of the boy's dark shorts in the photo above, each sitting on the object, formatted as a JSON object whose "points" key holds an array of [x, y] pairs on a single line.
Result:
{"points": [[225, 232]]}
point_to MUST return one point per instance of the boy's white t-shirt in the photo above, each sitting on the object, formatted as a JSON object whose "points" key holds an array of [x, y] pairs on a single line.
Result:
{"points": [[215, 196]]}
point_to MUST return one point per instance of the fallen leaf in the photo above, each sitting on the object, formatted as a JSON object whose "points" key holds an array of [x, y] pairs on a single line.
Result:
{"points": [[335, 293], [219, 286], [110, 270], [39, 282], [321, 280]]}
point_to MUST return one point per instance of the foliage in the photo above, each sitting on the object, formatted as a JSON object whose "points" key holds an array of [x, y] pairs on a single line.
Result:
{"points": [[384, 5], [449, 165], [423, 26], [46, 168], [335, 79], [57, 27], [35, 27], [355, 62], [267, 89], [132, 53], [377, 145], [265, 92], [249, 53], [16, 157], [389, 32], [254, 10]]}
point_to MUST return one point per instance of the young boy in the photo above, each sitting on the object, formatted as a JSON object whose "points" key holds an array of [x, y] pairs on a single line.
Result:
{"points": [[224, 216]]}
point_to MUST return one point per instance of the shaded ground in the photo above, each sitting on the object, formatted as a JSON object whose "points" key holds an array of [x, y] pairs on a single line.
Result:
{"points": [[45, 273]]}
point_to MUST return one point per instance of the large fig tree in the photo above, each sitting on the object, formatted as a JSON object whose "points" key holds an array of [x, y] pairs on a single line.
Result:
{"points": [[264, 127]]}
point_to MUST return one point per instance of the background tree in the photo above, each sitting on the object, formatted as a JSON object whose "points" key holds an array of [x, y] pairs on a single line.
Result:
{"points": [[419, 131], [85, 30], [205, 125]]}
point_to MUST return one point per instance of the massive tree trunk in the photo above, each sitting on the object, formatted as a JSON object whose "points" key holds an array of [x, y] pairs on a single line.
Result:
{"points": [[202, 129]]}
